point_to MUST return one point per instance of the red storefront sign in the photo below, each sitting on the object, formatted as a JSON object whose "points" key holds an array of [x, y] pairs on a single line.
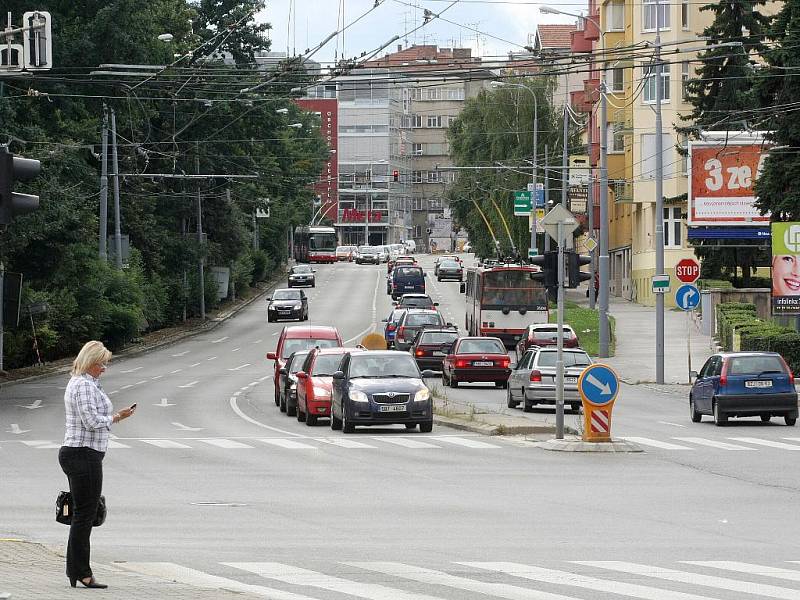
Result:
{"points": [[351, 215]]}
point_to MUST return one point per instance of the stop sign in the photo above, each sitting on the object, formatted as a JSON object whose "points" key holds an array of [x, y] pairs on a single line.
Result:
{"points": [[687, 270]]}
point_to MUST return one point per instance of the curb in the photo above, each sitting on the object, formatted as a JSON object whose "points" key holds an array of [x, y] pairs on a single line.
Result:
{"points": [[478, 426], [577, 445]]}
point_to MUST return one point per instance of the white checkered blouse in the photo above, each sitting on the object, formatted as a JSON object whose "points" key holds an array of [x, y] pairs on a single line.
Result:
{"points": [[89, 413]]}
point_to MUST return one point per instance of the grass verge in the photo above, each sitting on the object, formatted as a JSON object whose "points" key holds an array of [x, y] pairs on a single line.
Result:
{"points": [[586, 324]]}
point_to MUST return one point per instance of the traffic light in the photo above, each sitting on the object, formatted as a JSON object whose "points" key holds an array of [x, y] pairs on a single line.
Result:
{"points": [[14, 168], [37, 40], [548, 262], [396, 175], [574, 263]]}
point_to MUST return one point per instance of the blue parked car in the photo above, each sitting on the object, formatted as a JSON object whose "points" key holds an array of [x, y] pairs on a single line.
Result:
{"points": [[390, 327], [744, 384]]}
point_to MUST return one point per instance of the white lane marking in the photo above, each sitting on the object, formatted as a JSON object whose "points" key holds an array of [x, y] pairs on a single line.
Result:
{"points": [[118, 445], [41, 444], [239, 367], [276, 333], [344, 443], [372, 326], [33, 405], [184, 353], [556, 577], [114, 392], [429, 576], [187, 576], [769, 443], [405, 442], [175, 371], [212, 358], [655, 443], [673, 424], [195, 365], [16, 430], [157, 377], [190, 384], [222, 339], [235, 349], [258, 341], [183, 427], [125, 387], [466, 442], [131, 370], [140, 382], [238, 411], [299, 576], [165, 444], [750, 569], [164, 403], [223, 443], [712, 443], [720, 583], [288, 444]]}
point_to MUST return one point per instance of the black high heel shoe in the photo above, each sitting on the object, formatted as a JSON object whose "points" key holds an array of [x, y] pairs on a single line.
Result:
{"points": [[92, 583]]}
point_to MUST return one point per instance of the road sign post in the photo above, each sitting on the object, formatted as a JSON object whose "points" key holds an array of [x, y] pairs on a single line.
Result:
{"points": [[598, 386]]}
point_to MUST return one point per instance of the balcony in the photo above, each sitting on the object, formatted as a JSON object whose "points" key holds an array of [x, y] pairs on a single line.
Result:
{"points": [[579, 103], [623, 191], [579, 42], [590, 30]]}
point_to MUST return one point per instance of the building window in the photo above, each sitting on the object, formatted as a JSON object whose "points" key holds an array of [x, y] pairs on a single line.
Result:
{"points": [[672, 227], [416, 121], [416, 149], [648, 159], [617, 79], [435, 120], [416, 176], [455, 94], [434, 177], [616, 138], [683, 145], [615, 15], [685, 80], [685, 14], [649, 96], [649, 14]]}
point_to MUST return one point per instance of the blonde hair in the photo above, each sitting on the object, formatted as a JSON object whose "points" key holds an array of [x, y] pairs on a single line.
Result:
{"points": [[93, 353]]}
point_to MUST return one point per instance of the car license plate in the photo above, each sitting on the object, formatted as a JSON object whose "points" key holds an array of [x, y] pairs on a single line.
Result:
{"points": [[570, 380], [758, 384], [409, 287], [438, 353], [482, 363], [393, 408]]}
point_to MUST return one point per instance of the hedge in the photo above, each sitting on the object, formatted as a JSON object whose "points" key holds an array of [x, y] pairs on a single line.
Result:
{"points": [[731, 315]]}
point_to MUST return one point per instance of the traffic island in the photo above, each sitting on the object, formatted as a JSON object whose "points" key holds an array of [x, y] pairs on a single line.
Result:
{"points": [[578, 445], [468, 418]]}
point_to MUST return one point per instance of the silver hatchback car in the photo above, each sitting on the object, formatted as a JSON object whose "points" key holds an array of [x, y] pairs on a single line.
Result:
{"points": [[533, 380]]}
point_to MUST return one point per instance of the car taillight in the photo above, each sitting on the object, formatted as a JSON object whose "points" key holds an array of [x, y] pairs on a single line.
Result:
{"points": [[401, 332], [460, 364], [723, 378], [536, 376], [420, 352], [788, 370], [505, 362], [391, 327]]}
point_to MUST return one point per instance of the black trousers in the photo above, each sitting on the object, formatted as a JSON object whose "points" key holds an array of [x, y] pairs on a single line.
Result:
{"points": [[84, 469]]}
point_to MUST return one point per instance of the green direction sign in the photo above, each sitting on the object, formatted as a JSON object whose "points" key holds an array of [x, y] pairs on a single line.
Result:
{"points": [[660, 284], [522, 204], [533, 252]]}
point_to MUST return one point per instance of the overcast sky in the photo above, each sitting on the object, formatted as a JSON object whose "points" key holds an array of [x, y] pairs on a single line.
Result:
{"points": [[503, 25]]}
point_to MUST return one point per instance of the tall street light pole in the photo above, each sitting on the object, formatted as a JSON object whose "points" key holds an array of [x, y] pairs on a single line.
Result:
{"points": [[659, 216]]}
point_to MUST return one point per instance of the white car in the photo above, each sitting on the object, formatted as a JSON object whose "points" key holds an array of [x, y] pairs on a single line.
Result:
{"points": [[411, 246]]}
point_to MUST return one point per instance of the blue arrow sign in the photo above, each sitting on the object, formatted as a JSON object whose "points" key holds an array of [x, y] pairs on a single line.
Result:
{"points": [[687, 297], [598, 384]]}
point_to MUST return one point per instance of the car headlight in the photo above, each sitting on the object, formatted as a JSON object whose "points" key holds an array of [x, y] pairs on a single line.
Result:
{"points": [[422, 395], [358, 396], [321, 392]]}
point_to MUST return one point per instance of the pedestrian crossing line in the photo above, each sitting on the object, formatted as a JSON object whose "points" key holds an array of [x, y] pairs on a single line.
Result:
{"points": [[644, 441], [299, 576], [556, 577], [289, 444], [747, 568], [466, 442], [187, 576], [117, 445], [170, 444], [41, 444], [430, 576], [769, 443], [224, 443], [720, 583], [405, 442], [713, 443], [344, 443]]}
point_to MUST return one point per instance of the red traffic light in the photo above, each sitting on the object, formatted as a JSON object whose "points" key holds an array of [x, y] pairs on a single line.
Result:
{"points": [[396, 175]]}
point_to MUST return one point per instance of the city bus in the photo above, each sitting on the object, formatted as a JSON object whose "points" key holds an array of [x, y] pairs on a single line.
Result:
{"points": [[503, 300], [315, 244]]}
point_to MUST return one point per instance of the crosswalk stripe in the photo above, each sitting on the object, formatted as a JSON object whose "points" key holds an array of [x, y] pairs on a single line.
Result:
{"points": [[223, 443], [41, 444], [405, 442], [344, 443], [299, 576], [466, 442], [499, 590], [655, 443], [556, 577], [165, 444], [113, 444], [720, 583], [769, 443], [187, 576], [288, 444], [750, 569], [712, 443]]}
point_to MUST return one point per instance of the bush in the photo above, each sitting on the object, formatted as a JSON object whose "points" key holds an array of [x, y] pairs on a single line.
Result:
{"points": [[782, 340], [705, 284], [731, 315], [261, 266]]}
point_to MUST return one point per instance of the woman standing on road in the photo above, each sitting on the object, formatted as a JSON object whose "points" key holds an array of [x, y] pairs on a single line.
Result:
{"points": [[89, 419]]}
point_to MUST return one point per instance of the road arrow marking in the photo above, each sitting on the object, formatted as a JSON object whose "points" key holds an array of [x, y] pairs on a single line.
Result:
{"points": [[190, 384], [183, 427], [164, 403], [604, 388], [32, 405], [16, 430], [239, 367]]}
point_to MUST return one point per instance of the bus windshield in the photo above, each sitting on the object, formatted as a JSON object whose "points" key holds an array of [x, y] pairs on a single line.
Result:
{"points": [[512, 288], [322, 241]]}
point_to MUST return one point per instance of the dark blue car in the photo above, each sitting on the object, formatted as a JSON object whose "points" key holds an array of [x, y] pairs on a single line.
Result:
{"points": [[390, 327], [744, 384]]}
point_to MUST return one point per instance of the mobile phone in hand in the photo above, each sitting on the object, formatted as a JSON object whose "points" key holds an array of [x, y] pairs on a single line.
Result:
{"points": [[133, 407]]}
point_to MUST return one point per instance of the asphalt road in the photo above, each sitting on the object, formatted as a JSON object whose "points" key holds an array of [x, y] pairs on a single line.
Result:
{"points": [[208, 480]]}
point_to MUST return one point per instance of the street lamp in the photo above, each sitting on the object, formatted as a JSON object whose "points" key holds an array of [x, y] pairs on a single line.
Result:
{"points": [[532, 217]]}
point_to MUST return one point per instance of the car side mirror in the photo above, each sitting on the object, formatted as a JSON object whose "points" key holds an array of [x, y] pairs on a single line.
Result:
{"points": [[272, 356], [424, 274], [269, 299], [283, 371], [462, 287], [428, 373], [448, 324], [384, 320], [436, 304], [338, 375], [313, 270], [693, 375]]}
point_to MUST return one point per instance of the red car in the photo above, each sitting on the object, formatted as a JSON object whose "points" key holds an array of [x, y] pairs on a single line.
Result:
{"points": [[314, 382], [301, 337], [476, 359], [544, 334], [400, 260]]}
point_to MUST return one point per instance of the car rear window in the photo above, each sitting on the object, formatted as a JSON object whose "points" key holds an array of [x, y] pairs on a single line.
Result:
{"points": [[571, 359], [408, 272], [481, 347], [419, 301], [437, 337], [550, 333], [297, 362], [326, 365], [395, 316], [754, 365], [293, 345], [449, 264], [424, 319]]}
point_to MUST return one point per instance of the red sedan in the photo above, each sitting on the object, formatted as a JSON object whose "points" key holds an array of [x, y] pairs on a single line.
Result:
{"points": [[476, 359], [314, 382]]}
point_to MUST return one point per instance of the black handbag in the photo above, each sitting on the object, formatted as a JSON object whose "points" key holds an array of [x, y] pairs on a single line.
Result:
{"points": [[64, 509]]}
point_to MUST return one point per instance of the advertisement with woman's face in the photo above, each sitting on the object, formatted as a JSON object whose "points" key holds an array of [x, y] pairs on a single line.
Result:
{"points": [[786, 268]]}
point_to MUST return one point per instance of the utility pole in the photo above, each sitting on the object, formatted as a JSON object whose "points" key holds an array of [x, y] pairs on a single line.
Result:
{"points": [[115, 175], [200, 234], [659, 216], [104, 188], [2, 309], [560, 337], [590, 211], [565, 160], [603, 329], [546, 194]]}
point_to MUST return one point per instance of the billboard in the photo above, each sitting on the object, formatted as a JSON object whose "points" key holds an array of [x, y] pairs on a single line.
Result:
{"points": [[786, 268], [722, 176]]}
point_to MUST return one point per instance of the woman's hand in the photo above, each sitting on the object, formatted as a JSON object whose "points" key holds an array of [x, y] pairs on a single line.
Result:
{"points": [[124, 414]]}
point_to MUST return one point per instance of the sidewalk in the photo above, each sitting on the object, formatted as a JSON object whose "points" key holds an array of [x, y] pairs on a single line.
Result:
{"points": [[30, 571]]}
